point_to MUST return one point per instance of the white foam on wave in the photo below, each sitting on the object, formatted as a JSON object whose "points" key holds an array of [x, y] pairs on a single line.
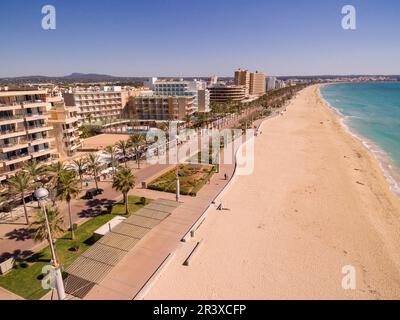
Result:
{"points": [[389, 169]]}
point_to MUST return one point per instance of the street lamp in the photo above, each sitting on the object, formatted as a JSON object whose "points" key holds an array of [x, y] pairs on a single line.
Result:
{"points": [[42, 194], [177, 187]]}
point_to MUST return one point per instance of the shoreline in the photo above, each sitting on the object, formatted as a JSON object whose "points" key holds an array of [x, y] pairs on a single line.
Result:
{"points": [[390, 170], [316, 202]]}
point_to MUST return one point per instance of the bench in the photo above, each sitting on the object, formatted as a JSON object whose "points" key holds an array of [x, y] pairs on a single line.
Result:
{"points": [[7, 265]]}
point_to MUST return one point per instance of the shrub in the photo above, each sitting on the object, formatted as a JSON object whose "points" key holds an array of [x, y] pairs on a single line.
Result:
{"points": [[75, 246]]}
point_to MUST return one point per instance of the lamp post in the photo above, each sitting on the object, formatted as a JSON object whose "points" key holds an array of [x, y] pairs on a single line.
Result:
{"points": [[178, 191], [42, 194]]}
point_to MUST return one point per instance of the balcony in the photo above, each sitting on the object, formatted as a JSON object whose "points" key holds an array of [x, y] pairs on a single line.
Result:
{"points": [[6, 172], [36, 129], [12, 133], [16, 159], [10, 107], [36, 116], [11, 119], [37, 141], [35, 104], [42, 152], [71, 120], [75, 146], [12, 147], [70, 130]]}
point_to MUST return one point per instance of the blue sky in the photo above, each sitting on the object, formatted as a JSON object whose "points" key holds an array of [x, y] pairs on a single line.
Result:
{"points": [[199, 38]]}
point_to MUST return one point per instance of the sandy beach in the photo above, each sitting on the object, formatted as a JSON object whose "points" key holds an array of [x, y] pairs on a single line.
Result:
{"points": [[316, 202]]}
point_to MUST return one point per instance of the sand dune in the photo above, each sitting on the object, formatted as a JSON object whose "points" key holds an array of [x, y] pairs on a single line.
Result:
{"points": [[317, 201]]}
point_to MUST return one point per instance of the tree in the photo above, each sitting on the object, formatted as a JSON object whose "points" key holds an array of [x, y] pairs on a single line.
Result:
{"points": [[67, 189], [19, 184], [35, 170], [56, 224], [188, 119], [124, 146], [124, 181], [136, 141], [94, 165], [111, 151], [54, 171], [80, 165]]}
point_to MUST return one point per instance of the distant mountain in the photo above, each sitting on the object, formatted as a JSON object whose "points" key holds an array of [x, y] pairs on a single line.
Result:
{"points": [[91, 76], [71, 78]]}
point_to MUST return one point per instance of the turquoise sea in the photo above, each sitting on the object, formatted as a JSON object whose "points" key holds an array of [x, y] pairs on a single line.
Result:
{"points": [[372, 112]]}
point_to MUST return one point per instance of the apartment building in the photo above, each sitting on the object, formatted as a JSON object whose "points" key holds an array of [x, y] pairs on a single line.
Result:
{"points": [[203, 100], [280, 84], [24, 129], [65, 121], [98, 104], [195, 88], [166, 108], [253, 82], [257, 83], [224, 93], [242, 78], [271, 83]]}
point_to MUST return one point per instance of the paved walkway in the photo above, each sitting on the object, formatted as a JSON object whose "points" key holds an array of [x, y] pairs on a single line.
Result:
{"points": [[15, 239], [127, 278], [7, 295]]}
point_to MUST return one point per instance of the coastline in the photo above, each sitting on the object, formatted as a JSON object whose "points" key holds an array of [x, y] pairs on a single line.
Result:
{"points": [[316, 202], [389, 169]]}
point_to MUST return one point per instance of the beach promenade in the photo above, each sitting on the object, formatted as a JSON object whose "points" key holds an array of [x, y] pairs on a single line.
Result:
{"points": [[316, 202]]}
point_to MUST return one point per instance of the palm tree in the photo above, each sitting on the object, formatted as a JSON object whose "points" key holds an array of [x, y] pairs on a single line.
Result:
{"points": [[80, 166], [19, 184], [111, 151], [137, 140], [67, 189], [35, 170], [123, 146], [124, 181], [188, 118], [54, 171], [94, 165], [56, 224]]}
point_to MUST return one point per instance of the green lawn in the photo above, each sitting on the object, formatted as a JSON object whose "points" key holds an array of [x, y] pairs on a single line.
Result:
{"points": [[25, 278], [192, 178]]}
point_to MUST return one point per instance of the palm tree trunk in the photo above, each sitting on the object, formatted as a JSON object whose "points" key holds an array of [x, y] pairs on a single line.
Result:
{"points": [[113, 165], [95, 180], [70, 221], [25, 210], [126, 203], [81, 179], [138, 159]]}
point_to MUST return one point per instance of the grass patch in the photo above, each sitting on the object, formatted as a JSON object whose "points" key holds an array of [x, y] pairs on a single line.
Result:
{"points": [[25, 278], [192, 178]]}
